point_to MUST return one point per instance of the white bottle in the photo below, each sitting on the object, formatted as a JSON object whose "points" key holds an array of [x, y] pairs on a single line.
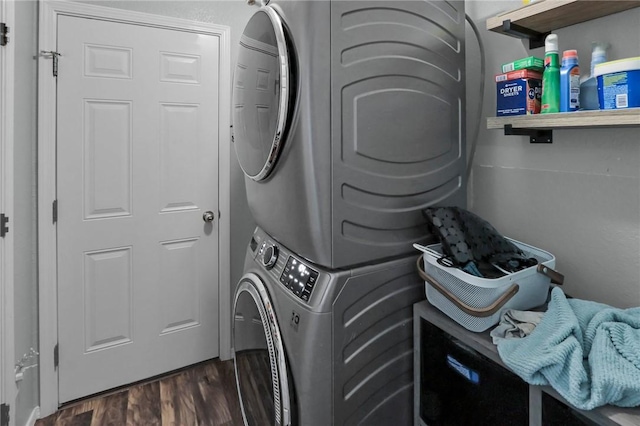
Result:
{"points": [[589, 85]]}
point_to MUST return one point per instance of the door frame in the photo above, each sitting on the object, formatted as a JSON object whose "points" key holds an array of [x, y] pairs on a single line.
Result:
{"points": [[47, 241], [7, 342]]}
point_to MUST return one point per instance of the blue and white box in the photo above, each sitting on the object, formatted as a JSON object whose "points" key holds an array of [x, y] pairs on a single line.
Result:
{"points": [[518, 97]]}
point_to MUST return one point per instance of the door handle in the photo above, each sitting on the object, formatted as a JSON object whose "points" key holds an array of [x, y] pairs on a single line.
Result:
{"points": [[208, 216]]}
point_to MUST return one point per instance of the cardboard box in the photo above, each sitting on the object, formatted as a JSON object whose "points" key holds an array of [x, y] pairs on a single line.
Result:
{"points": [[514, 75], [531, 63], [518, 97]]}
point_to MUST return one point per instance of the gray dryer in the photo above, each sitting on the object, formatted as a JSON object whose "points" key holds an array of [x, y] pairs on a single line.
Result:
{"points": [[315, 348], [348, 120]]}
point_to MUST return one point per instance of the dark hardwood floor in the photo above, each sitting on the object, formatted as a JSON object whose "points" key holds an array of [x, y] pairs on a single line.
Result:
{"points": [[256, 388], [202, 395]]}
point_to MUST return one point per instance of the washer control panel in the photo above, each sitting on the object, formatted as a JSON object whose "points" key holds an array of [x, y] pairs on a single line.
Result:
{"points": [[299, 278]]}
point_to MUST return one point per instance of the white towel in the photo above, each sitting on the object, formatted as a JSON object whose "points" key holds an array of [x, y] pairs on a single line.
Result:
{"points": [[515, 324]]}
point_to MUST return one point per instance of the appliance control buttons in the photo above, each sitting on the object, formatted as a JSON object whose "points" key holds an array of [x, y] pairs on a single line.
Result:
{"points": [[269, 256], [299, 278]]}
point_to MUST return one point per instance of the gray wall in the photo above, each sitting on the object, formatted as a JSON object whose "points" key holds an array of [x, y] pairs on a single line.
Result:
{"points": [[578, 198], [24, 35]]}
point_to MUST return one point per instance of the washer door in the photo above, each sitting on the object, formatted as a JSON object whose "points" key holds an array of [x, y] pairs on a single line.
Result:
{"points": [[259, 358], [261, 93]]}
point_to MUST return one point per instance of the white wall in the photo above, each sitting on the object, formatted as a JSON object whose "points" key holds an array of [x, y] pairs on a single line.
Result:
{"points": [[578, 198], [24, 222]]}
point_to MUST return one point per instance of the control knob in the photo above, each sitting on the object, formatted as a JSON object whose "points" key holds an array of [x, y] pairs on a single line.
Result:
{"points": [[270, 256]]}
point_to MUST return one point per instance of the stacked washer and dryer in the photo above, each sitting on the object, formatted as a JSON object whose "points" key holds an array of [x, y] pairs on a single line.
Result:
{"points": [[348, 121]]}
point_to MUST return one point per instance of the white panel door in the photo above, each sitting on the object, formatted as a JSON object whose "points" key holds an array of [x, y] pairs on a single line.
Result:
{"points": [[137, 149]]}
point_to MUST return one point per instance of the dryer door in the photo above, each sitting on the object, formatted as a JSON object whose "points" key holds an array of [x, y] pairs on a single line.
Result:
{"points": [[259, 358], [261, 93]]}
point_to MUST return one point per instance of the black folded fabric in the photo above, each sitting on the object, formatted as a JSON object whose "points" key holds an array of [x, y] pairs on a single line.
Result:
{"points": [[473, 244]]}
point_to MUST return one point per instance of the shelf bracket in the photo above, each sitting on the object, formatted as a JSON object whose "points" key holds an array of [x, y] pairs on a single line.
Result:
{"points": [[535, 135], [536, 39]]}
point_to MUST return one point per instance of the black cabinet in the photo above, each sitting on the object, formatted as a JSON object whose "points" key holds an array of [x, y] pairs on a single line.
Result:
{"points": [[556, 413], [460, 380], [459, 386]]}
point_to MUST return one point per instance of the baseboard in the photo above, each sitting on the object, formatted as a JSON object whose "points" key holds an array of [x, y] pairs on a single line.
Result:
{"points": [[35, 414]]}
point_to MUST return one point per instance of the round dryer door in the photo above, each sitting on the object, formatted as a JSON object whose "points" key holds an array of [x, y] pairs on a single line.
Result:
{"points": [[259, 358], [261, 93]]}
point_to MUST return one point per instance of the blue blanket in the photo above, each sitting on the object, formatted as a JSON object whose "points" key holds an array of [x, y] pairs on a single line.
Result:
{"points": [[587, 351]]}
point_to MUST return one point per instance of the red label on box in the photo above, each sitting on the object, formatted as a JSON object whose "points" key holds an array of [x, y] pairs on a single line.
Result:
{"points": [[514, 75]]}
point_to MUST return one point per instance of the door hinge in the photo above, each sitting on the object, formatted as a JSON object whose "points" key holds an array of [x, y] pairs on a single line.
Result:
{"points": [[3, 225], [4, 30], [56, 356], [4, 414], [54, 211], [50, 54]]}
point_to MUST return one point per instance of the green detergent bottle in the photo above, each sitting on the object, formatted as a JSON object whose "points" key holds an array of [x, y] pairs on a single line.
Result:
{"points": [[551, 76]]}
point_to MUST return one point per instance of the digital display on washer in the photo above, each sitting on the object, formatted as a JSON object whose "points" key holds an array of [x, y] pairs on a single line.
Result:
{"points": [[299, 278]]}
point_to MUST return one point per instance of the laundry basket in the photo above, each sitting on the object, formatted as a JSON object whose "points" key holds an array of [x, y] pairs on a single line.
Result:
{"points": [[476, 303]]}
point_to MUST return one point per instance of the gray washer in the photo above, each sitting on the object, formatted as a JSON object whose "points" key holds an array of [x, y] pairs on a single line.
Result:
{"points": [[343, 356], [348, 121]]}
